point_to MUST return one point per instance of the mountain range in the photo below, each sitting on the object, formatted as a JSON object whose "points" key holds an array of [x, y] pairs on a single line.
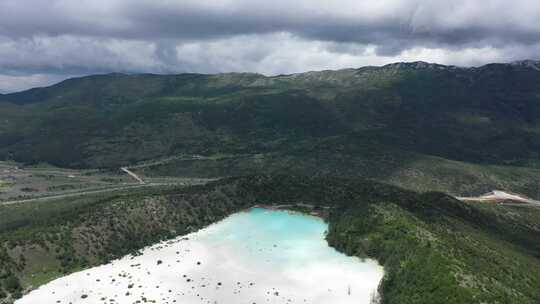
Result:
{"points": [[394, 115], [384, 154]]}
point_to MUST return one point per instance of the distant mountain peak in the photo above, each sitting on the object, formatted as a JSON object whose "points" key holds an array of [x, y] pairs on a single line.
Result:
{"points": [[419, 65], [534, 64], [422, 65]]}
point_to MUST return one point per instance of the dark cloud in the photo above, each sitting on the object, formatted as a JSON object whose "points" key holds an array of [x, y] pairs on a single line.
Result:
{"points": [[65, 37], [421, 21]]}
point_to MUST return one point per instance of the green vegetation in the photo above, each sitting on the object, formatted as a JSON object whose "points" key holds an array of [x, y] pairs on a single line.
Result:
{"points": [[435, 249], [361, 136], [441, 258], [420, 173], [422, 127], [43, 240], [478, 115]]}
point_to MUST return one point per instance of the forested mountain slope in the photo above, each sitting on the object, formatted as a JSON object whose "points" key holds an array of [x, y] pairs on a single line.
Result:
{"points": [[489, 114]]}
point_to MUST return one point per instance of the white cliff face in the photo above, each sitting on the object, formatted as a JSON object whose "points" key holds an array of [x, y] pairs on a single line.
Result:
{"points": [[498, 196], [259, 256]]}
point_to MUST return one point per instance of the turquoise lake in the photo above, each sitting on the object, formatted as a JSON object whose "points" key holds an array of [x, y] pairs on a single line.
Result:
{"points": [[256, 256]]}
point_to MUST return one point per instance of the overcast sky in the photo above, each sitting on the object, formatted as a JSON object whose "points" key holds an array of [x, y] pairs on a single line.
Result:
{"points": [[45, 41]]}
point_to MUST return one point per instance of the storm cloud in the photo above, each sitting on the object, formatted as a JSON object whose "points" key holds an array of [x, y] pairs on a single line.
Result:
{"points": [[42, 41]]}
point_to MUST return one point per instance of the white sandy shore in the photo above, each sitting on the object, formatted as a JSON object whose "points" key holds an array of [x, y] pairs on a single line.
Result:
{"points": [[260, 256]]}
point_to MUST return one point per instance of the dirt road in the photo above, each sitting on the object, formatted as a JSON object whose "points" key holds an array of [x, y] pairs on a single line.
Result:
{"points": [[132, 174], [42, 198]]}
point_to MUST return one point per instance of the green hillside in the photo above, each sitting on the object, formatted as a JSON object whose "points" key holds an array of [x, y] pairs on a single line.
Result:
{"points": [[327, 157], [482, 115]]}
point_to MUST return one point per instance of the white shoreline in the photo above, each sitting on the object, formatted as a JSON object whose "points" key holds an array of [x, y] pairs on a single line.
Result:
{"points": [[214, 265]]}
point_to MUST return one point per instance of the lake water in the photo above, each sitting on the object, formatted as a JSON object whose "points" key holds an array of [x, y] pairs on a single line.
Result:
{"points": [[257, 256]]}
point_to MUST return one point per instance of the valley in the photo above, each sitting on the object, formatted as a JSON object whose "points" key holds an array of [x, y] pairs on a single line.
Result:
{"points": [[100, 170], [21, 184], [269, 152]]}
